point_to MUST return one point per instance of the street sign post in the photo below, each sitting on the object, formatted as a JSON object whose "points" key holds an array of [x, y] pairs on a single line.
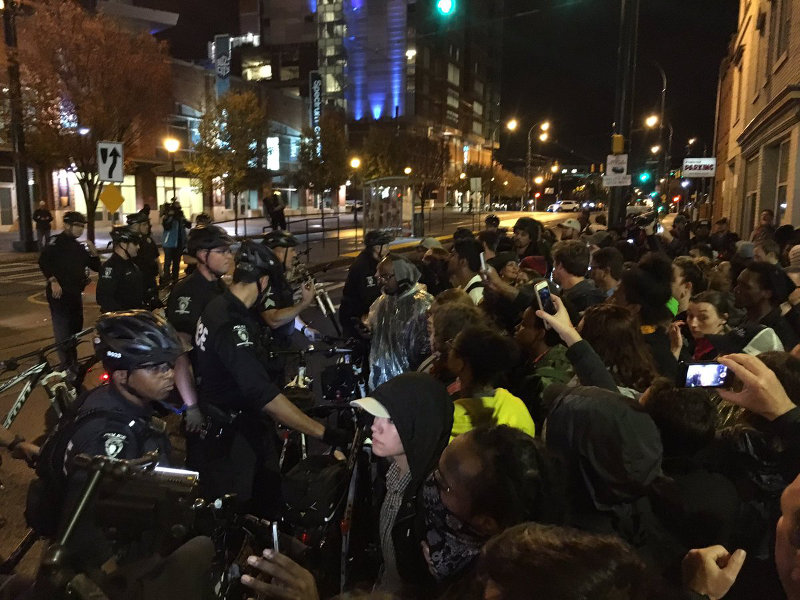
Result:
{"points": [[110, 162], [613, 180], [616, 164]]}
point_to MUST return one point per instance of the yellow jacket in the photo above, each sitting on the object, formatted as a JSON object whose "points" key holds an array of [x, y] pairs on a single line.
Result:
{"points": [[501, 409]]}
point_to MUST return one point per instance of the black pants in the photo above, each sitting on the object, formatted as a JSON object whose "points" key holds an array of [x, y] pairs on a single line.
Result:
{"points": [[278, 220], [67, 315], [172, 264], [42, 238]]}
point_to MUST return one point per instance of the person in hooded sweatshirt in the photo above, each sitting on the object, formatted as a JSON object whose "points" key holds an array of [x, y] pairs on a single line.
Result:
{"points": [[412, 419]]}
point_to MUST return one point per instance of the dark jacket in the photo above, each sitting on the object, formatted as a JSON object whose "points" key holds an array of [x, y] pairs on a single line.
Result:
{"points": [[423, 414], [580, 297], [67, 259], [120, 285], [42, 217], [781, 327], [361, 288], [665, 361]]}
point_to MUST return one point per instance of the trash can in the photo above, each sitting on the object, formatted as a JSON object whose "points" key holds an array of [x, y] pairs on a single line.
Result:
{"points": [[418, 225]]}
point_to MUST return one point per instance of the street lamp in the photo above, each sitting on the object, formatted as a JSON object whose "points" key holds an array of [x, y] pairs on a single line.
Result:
{"points": [[512, 125], [355, 162], [462, 176], [539, 180], [554, 168], [544, 127], [651, 121], [172, 145], [407, 170], [655, 149]]}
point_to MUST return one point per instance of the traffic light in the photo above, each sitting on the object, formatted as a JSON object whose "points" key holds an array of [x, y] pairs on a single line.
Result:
{"points": [[445, 7], [645, 176]]}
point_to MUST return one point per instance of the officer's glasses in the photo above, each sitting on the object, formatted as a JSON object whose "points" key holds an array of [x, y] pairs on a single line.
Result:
{"points": [[225, 250], [158, 369]]}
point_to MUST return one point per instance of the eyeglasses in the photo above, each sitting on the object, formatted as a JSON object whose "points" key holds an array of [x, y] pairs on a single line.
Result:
{"points": [[385, 277], [226, 250], [158, 369]]}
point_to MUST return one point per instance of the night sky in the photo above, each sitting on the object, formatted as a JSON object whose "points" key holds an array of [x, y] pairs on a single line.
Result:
{"points": [[560, 64]]}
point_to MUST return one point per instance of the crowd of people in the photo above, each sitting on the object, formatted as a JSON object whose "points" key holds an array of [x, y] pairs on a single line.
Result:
{"points": [[532, 411]]}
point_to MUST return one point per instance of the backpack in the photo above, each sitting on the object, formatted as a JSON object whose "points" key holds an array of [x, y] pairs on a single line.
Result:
{"points": [[46, 493]]}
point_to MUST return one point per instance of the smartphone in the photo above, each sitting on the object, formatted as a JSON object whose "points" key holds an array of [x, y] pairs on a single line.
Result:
{"points": [[703, 374], [543, 296], [483, 261]]}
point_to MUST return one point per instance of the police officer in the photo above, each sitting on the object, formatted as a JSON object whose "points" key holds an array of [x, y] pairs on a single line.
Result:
{"points": [[240, 453], [121, 285], [361, 288], [147, 258], [278, 310], [210, 247], [115, 420], [64, 262]]}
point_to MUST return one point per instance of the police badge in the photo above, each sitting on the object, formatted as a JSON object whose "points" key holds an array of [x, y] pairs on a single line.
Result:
{"points": [[241, 331], [114, 443], [183, 305]]}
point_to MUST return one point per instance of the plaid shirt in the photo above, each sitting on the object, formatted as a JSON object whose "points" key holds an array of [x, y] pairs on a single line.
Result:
{"points": [[396, 484]]}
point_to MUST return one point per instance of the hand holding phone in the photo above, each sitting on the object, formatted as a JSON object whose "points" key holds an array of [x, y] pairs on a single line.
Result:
{"points": [[483, 261], [703, 374], [544, 298]]}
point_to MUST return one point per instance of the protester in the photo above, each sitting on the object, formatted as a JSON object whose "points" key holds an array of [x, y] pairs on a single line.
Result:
{"points": [[397, 321], [445, 323], [42, 217], [765, 229], [723, 241], [760, 290], [464, 268], [570, 229], [412, 418], [767, 251], [570, 266], [479, 357], [606, 270], [706, 315]]}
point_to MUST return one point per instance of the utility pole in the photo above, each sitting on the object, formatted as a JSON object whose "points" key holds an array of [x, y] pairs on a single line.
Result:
{"points": [[26, 241], [626, 58]]}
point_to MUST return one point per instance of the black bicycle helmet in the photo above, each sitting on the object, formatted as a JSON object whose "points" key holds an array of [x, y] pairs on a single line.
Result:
{"points": [[207, 238], [377, 237], [137, 217], [279, 239], [72, 217], [202, 220], [492, 221], [132, 339], [254, 260], [121, 234]]}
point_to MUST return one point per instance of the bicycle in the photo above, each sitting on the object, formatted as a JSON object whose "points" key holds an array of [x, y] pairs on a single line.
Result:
{"points": [[61, 386]]}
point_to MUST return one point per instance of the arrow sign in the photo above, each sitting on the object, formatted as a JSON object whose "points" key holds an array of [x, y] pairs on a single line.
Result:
{"points": [[110, 162]]}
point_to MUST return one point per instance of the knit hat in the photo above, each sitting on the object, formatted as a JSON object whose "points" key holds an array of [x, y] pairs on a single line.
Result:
{"points": [[501, 260], [535, 263]]}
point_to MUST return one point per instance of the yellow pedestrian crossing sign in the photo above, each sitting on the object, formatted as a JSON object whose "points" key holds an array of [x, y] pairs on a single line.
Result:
{"points": [[111, 197]]}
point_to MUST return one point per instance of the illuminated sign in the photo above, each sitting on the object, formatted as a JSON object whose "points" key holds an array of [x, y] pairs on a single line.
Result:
{"points": [[273, 154]]}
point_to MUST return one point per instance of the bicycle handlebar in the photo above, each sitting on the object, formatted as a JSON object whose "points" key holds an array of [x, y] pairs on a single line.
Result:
{"points": [[12, 364]]}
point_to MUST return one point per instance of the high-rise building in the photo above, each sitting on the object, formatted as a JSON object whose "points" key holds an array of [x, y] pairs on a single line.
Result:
{"points": [[388, 60]]}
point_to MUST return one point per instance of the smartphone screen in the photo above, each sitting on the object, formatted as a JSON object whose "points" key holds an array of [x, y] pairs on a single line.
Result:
{"points": [[483, 261], [708, 374], [545, 301]]}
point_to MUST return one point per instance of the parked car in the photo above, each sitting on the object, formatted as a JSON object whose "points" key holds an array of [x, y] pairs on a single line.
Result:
{"points": [[564, 206], [592, 205], [351, 204]]}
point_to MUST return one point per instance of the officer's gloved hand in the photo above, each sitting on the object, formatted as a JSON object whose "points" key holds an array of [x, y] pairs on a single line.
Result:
{"points": [[194, 418], [336, 437]]}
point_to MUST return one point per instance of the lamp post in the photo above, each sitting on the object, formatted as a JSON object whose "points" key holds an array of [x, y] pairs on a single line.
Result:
{"points": [[544, 135], [511, 125], [691, 142], [172, 145], [355, 164]]}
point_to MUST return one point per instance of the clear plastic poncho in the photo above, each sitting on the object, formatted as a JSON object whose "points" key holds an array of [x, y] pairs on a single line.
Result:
{"points": [[399, 333]]}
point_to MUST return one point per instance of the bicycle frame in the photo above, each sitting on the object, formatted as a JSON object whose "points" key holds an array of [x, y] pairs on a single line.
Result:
{"points": [[33, 375]]}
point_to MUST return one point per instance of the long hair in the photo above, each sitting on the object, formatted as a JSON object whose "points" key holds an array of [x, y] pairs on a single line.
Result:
{"points": [[613, 331]]}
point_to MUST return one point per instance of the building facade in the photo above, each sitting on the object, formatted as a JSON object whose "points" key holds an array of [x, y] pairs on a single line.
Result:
{"points": [[758, 128]]}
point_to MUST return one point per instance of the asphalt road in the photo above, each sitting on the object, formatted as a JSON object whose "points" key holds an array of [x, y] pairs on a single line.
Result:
{"points": [[25, 326]]}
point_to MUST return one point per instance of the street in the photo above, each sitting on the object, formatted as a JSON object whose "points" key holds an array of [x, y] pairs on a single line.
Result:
{"points": [[25, 326]]}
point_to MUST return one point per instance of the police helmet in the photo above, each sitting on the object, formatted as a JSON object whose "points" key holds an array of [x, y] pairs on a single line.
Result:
{"points": [[255, 260], [279, 239], [377, 237], [131, 339], [121, 234], [492, 221], [137, 217], [207, 238], [73, 217]]}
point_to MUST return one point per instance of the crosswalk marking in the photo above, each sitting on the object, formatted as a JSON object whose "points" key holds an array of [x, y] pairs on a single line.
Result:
{"points": [[21, 273]]}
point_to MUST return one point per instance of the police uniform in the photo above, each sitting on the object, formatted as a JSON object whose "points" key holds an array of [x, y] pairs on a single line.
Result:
{"points": [[115, 428], [280, 338], [188, 299], [239, 452], [67, 259], [147, 261], [120, 285], [360, 290]]}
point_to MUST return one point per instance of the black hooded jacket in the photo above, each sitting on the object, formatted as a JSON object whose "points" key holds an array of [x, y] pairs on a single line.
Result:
{"points": [[422, 412]]}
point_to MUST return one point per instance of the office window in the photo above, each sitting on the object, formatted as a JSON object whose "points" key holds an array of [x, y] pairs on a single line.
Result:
{"points": [[453, 74]]}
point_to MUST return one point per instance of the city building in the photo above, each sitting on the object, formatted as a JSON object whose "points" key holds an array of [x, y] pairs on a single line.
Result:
{"points": [[758, 115], [401, 63]]}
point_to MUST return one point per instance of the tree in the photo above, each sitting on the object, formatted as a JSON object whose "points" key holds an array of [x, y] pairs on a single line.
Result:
{"points": [[83, 72], [231, 147], [323, 158]]}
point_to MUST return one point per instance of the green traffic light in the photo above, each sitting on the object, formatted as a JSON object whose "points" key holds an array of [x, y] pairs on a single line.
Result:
{"points": [[644, 177], [445, 7]]}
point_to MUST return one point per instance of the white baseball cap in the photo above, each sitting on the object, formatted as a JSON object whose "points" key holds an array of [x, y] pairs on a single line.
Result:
{"points": [[373, 407]]}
